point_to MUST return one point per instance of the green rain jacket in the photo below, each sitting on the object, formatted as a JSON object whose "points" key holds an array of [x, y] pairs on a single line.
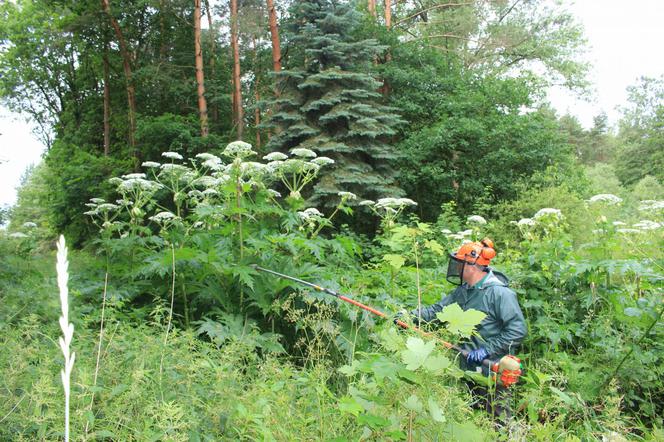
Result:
{"points": [[503, 328]]}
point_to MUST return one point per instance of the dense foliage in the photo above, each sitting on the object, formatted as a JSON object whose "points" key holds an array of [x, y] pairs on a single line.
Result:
{"points": [[434, 112]]}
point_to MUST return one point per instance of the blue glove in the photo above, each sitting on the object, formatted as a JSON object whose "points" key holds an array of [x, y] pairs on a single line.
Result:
{"points": [[478, 355]]}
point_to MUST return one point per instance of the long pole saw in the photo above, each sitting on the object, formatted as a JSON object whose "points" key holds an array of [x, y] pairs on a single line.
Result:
{"points": [[509, 366]]}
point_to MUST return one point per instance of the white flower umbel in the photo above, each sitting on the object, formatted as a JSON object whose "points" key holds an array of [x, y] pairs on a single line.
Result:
{"points": [[347, 196], [303, 153], [294, 173], [526, 222], [627, 231], [607, 198], [18, 235], [210, 192], [275, 156], [310, 214], [646, 224], [62, 267], [107, 207], [476, 219], [206, 181], [238, 149], [163, 217], [395, 203], [134, 176], [172, 155], [388, 209], [29, 225], [207, 156], [649, 205], [547, 211], [323, 161], [150, 164]]}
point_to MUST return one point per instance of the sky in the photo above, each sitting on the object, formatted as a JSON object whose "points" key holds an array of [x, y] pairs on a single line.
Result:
{"points": [[624, 39]]}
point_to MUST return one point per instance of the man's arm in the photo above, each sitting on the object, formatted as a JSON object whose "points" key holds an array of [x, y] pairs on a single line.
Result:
{"points": [[514, 325], [428, 313]]}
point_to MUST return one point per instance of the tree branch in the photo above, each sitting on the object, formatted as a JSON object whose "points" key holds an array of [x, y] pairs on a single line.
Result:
{"points": [[431, 8]]}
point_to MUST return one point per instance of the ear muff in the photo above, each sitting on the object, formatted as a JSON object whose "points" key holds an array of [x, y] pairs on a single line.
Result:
{"points": [[488, 252]]}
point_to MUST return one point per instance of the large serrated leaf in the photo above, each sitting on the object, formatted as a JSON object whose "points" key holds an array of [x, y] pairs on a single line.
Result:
{"points": [[435, 411], [396, 261], [414, 403], [349, 405], [437, 364], [458, 321], [417, 352]]}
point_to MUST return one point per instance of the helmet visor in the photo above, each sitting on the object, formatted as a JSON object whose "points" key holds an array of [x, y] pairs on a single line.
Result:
{"points": [[455, 270]]}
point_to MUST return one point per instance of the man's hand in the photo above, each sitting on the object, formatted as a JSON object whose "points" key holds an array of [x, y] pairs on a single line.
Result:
{"points": [[478, 355]]}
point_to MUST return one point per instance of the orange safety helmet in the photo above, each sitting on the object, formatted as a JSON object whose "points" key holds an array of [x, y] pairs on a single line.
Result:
{"points": [[471, 253], [480, 253]]}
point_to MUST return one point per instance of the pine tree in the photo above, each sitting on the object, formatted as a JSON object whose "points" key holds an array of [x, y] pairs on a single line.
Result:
{"points": [[329, 103]]}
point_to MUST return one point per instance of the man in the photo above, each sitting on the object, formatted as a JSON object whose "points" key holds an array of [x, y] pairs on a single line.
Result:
{"points": [[502, 330]]}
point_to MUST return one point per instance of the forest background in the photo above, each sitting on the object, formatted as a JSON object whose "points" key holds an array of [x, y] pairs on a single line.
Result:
{"points": [[375, 137]]}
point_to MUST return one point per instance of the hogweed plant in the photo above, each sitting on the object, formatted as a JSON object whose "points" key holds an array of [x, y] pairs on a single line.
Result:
{"points": [[388, 209], [62, 266]]}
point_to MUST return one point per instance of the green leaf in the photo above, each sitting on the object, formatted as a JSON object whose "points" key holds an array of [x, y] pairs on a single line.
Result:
{"points": [[417, 352], [458, 321], [349, 370], [373, 421], [384, 368], [101, 434], [414, 403], [562, 395], [437, 364], [349, 405], [410, 376], [245, 274], [435, 411], [467, 432], [391, 339], [396, 261], [434, 246], [118, 389]]}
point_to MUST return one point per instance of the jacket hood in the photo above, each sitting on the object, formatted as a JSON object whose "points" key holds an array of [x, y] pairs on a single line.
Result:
{"points": [[496, 278]]}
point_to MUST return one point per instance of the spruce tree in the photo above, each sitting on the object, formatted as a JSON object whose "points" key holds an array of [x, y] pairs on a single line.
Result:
{"points": [[329, 103]]}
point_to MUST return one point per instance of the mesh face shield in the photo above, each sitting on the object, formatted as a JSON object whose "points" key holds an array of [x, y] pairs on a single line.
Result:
{"points": [[455, 270]]}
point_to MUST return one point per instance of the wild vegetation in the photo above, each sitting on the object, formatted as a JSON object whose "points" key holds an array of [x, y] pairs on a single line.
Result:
{"points": [[167, 201]]}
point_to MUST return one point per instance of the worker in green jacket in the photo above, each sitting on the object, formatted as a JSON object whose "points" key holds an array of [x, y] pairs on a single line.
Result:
{"points": [[500, 332]]}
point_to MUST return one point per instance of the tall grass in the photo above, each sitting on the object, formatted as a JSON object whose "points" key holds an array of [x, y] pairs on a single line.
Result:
{"points": [[62, 266]]}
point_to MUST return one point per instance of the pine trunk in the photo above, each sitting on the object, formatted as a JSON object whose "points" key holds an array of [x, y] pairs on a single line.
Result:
{"points": [[274, 34], [372, 7], [385, 90], [107, 102], [257, 97], [388, 14], [200, 79], [214, 110], [237, 86], [126, 65]]}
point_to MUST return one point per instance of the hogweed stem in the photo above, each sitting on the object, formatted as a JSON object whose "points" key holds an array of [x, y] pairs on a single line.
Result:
{"points": [[62, 266]]}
